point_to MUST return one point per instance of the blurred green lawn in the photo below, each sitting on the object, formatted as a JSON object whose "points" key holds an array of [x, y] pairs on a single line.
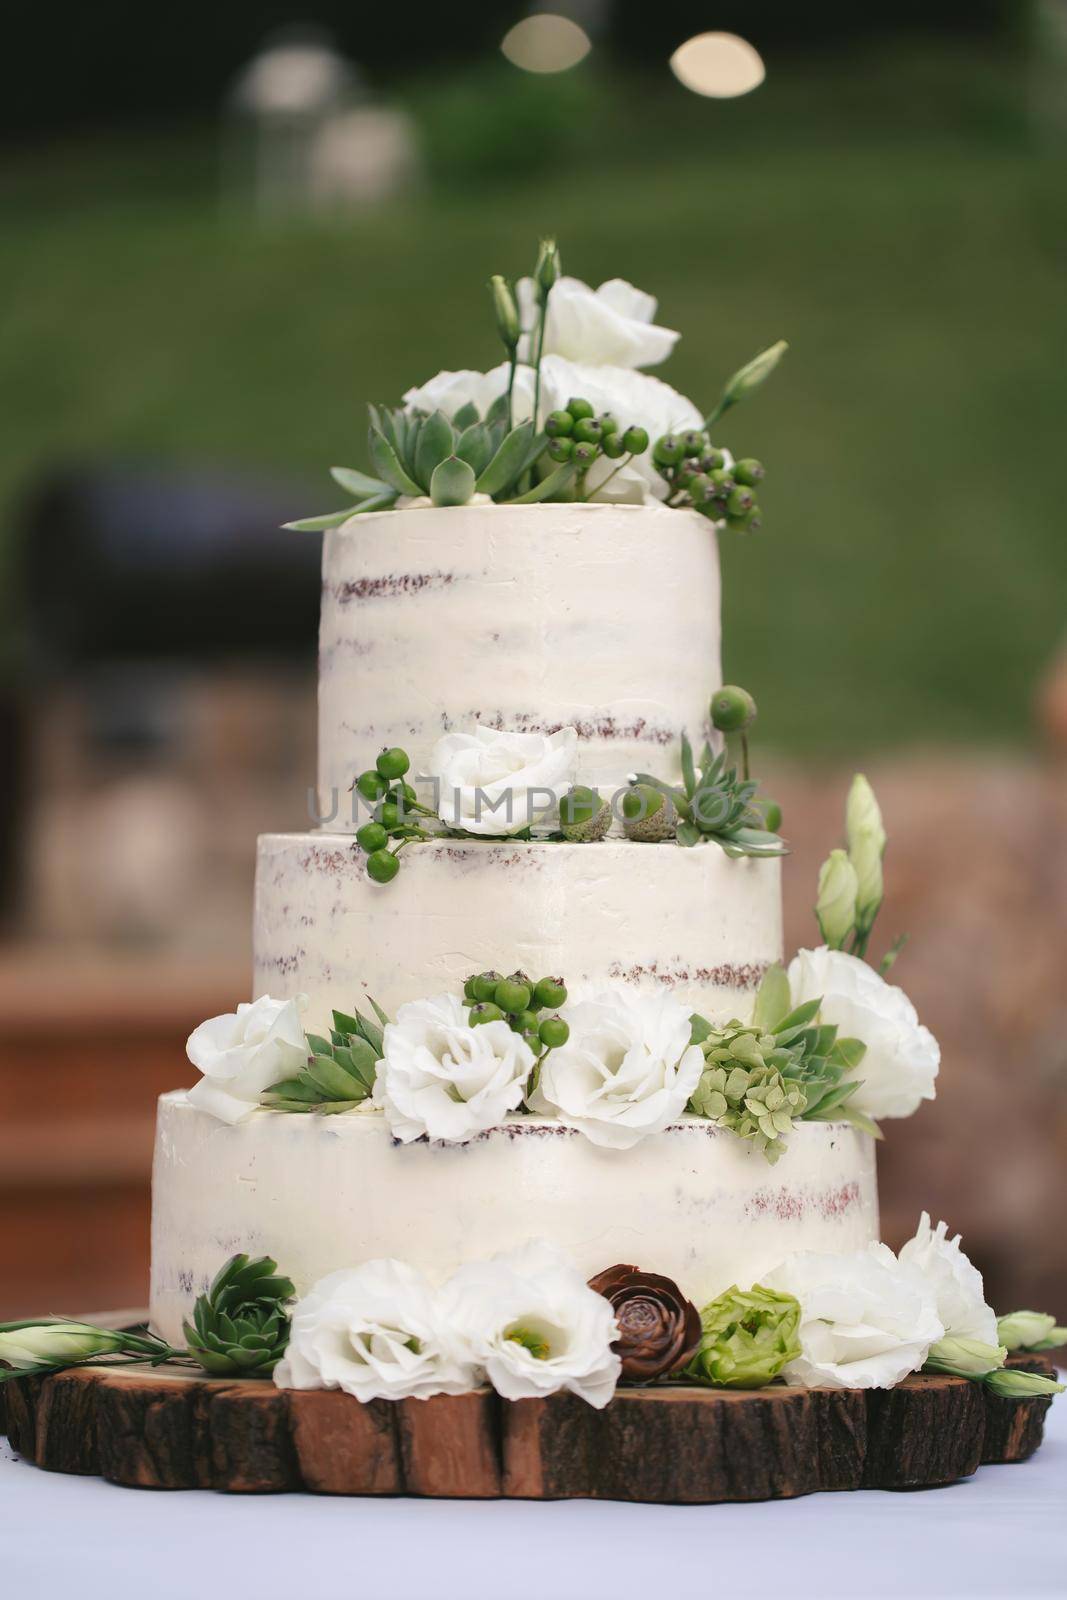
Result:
{"points": [[910, 582]]}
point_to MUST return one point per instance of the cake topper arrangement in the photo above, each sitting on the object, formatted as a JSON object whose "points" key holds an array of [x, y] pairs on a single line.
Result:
{"points": [[567, 417]]}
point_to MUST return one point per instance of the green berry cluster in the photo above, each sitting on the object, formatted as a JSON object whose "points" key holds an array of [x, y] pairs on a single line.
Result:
{"points": [[519, 1001], [395, 804], [576, 434], [698, 476]]}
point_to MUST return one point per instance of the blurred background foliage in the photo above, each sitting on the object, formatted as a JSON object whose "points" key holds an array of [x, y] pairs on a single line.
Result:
{"points": [[892, 204]]}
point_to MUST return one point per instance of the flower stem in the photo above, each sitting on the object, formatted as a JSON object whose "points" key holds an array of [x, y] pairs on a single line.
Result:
{"points": [[744, 753], [511, 383], [625, 462]]}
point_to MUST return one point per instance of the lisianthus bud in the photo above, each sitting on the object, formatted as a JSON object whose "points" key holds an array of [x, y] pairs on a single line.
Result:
{"points": [[835, 906], [747, 378], [507, 312], [1011, 1384], [866, 847], [56, 1343], [748, 1337], [965, 1358], [547, 269], [1030, 1330]]}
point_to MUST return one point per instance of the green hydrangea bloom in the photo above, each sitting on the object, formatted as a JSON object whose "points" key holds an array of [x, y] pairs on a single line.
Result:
{"points": [[749, 1335]]}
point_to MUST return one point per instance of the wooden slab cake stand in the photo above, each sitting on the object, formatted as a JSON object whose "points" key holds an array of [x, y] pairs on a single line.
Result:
{"points": [[172, 1428]]}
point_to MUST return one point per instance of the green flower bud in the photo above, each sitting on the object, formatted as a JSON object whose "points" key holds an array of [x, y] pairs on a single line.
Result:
{"points": [[525, 1022], [372, 836], [393, 764], [748, 1337], [835, 905], [747, 378], [403, 792], [772, 813], [723, 479], [579, 408], [558, 424], [389, 815], [382, 866], [507, 312], [750, 522], [372, 785], [585, 454], [550, 992], [608, 423], [693, 442], [964, 1358], [547, 270], [668, 450], [1030, 1330], [484, 1011], [636, 440], [560, 449], [484, 985], [712, 460], [57, 1343], [732, 708], [469, 992], [866, 847], [613, 445], [1011, 1384], [512, 997], [533, 1039], [554, 1033], [587, 430], [748, 471], [702, 492]]}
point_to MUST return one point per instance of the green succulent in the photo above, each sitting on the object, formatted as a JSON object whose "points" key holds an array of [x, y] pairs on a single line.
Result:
{"points": [[449, 461], [240, 1327], [748, 1336], [783, 1067], [713, 802], [340, 1070]]}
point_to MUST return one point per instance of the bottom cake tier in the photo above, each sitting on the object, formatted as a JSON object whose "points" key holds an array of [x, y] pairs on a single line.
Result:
{"points": [[319, 1193]]}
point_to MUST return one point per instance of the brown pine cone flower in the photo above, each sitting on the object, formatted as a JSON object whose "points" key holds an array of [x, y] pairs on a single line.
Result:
{"points": [[659, 1329]]}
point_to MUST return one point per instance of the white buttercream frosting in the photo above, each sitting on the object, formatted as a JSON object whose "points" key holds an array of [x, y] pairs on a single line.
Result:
{"points": [[650, 916], [321, 1193], [604, 618]]}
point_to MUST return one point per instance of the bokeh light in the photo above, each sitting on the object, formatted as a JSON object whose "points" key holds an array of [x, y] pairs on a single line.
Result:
{"points": [[718, 64], [546, 43]]}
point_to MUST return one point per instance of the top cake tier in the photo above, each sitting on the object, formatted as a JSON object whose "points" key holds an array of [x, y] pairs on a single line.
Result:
{"points": [[603, 617]]}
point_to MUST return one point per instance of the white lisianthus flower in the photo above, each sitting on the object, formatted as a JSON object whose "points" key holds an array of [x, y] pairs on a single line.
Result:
{"points": [[956, 1284], [529, 1320], [635, 398], [440, 1077], [607, 327], [900, 1066], [866, 1321], [500, 782], [376, 1332], [627, 1069], [244, 1052]]}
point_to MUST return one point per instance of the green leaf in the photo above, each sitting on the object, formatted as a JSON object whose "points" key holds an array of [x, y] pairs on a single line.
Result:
{"points": [[332, 1078], [387, 465], [689, 777], [797, 1020], [688, 834], [467, 416], [342, 1023], [773, 999], [754, 842], [452, 483], [317, 1045], [436, 442], [332, 519], [378, 1012], [357, 483], [475, 447], [848, 1053], [547, 487], [507, 462], [498, 411]]}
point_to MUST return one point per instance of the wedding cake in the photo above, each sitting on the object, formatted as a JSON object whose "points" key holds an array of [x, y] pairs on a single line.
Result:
{"points": [[523, 1012]]}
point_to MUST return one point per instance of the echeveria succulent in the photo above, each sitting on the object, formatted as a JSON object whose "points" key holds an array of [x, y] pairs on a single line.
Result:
{"points": [[747, 1337]]}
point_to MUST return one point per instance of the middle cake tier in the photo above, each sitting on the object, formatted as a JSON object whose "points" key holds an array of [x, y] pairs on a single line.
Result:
{"points": [[696, 922]]}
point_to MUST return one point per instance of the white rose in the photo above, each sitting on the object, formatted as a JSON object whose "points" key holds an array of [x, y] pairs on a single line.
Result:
{"points": [[440, 1077], [245, 1052], [531, 1322], [499, 783], [634, 398], [376, 1332], [627, 1069], [865, 1323], [607, 327], [954, 1282], [902, 1058]]}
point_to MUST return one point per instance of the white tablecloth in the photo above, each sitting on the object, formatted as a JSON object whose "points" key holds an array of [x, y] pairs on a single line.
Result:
{"points": [[1001, 1533]]}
